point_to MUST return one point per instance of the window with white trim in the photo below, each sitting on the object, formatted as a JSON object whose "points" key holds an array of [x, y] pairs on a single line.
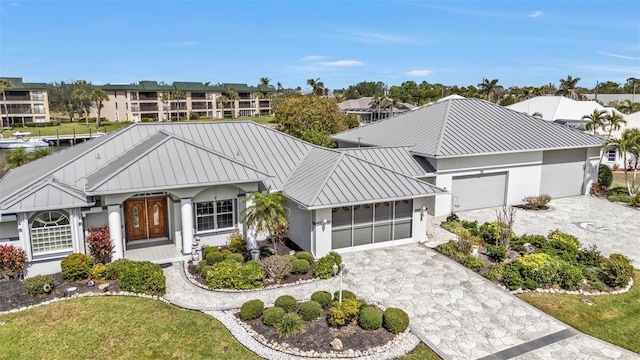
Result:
{"points": [[215, 215], [611, 156], [51, 232]]}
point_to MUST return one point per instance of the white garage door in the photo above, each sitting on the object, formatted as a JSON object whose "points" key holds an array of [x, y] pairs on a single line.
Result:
{"points": [[562, 172], [478, 191]]}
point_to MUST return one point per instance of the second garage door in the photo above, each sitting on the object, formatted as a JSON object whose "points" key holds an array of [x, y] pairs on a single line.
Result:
{"points": [[562, 172], [478, 191]]}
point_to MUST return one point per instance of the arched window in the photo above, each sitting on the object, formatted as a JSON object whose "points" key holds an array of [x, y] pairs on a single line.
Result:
{"points": [[50, 232]]}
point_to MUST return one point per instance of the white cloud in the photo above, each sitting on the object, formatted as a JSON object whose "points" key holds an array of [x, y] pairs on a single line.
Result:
{"points": [[314, 58], [618, 56], [418, 73], [186, 43], [535, 14], [340, 63], [380, 38]]}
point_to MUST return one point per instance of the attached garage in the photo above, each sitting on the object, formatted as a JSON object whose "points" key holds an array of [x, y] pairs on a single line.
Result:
{"points": [[478, 191], [371, 224], [562, 172]]}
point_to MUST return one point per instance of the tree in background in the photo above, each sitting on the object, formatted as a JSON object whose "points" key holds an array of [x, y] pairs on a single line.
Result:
{"points": [[490, 89], [20, 156], [317, 86], [61, 99], [5, 85], [264, 81], [628, 143], [568, 88], [312, 118], [98, 97], [231, 95], [81, 96], [597, 119], [176, 96]]}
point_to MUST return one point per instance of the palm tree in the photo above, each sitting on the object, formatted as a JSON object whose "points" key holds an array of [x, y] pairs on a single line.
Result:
{"points": [[98, 96], [5, 84], [317, 86], [614, 122], [597, 119], [279, 85], [628, 143], [568, 88], [490, 89], [15, 158], [266, 212], [377, 101], [232, 95], [264, 81], [166, 103], [222, 100], [177, 95]]}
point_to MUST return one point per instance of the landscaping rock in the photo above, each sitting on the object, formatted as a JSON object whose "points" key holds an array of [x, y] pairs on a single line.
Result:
{"points": [[336, 344]]}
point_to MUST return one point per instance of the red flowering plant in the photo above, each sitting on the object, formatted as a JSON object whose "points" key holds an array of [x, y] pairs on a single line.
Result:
{"points": [[12, 261], [100, 244]]}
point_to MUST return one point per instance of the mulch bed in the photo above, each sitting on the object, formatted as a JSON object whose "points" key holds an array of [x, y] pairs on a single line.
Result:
{"points": [[318, 335], [13, 295], [532, 208]]}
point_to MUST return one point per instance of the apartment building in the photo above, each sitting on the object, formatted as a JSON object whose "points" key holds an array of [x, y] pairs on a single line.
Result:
{"points": [[25, 102], [149, 101]]}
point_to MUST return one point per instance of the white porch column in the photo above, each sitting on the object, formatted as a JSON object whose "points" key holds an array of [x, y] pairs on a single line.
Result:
{"points": [[186, 206], [115, 231]]}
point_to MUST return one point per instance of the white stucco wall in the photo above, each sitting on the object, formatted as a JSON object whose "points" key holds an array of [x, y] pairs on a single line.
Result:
{"points": [[300, 226], [322, 242]]}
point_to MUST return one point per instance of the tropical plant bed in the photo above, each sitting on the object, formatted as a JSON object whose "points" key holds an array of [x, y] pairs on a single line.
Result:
{"points": [[13, 294]]}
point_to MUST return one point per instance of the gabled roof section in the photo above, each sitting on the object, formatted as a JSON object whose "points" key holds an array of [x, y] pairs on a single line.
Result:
{"points": [[398, 159], [166, 161], [49, 193], [464, 127], [18, 84], [330, 178], [558, 107]]}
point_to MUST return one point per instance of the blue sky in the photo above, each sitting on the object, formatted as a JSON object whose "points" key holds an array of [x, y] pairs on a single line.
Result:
{"points": [[341, 42]]}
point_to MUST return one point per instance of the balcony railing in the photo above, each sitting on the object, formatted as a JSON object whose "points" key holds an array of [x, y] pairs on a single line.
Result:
{"points": [[148, 96], [149, 107], [201, 106], [17, 98], [181, 107]]}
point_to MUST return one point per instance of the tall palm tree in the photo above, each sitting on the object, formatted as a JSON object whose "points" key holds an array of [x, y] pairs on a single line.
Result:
{"points": [[376, 101], [568, 88], [5, 85], [279, 85], [99, 96], [166, 103], [391, 103], [628, 143], [222, 100], [597, 119], [317, 86], [232, 96], [490, 89], [178, 95], [267, 212], [264, 81], [614, 122]]}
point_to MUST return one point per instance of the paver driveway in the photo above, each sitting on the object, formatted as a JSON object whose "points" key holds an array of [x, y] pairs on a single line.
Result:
{"points": [[458, 311], [614, 228]]}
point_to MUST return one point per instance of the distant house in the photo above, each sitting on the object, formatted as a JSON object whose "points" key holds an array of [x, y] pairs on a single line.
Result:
{"points": [[161, 186], [366, 111], [608, 99], [26, 102], [485, 155]]}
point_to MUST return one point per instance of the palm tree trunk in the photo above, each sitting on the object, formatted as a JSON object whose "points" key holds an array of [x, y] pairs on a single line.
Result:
{"points": [[6, 109]]}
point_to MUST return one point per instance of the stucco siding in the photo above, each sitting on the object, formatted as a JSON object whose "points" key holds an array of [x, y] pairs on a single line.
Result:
{"points": [[300, 226]]}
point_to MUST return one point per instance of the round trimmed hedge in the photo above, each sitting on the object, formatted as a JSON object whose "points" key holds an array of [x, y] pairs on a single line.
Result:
{"points": [[300, 266], [310, 310], [235, 257], [370, 318], [395, 320], [272, 316], [322, 297], [213, 257], [76, 266], [346, 294], [210, 249], [305, 255], [251, 309], [287, 302]]}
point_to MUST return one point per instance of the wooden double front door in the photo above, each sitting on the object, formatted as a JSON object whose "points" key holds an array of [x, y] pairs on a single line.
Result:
{"points": [[146, 218]]}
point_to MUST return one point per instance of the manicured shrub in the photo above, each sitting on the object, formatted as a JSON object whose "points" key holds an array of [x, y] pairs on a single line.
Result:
{"points": [[12, 261], [272, 316], [100, 244], [540, 267], [235, 257], [496, 253], [530, 284], [452, 217], [490, 232], [341, 314], [449, 249], [623, 197], [472, 262], [209, 249], [322, 297], [537, 241], [40, 284], [370, 318], [251, 309], [324, 266], [234, 275], [305, 255], [213, 257], [97, 272], [290, 324], [291, 258], [591, 257], [224, 253], [569, 276], [494, 273], [310, 310], [511, 276], [300, 266], [114, 269], [143, 277], [346, 294], [559, 236], [635, 201], [287, 302], [605, 176], [617, 270], [277, 267], [237, 243], [395, 320], [76, 266]]}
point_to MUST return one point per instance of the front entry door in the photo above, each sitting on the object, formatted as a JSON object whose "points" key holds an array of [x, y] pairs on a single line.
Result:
{"points": [[146, 219]]}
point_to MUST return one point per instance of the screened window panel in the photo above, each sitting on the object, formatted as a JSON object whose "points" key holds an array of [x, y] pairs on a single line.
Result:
{"points": [[404, 209], [341, 238], [341, 216], [383, 211], [382, 233], [362, 214], [362, 235], [402, 230]]}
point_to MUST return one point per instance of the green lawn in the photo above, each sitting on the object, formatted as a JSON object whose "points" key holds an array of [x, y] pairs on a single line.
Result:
{"points": [[116, 328], [123, 328], [613, 318]]}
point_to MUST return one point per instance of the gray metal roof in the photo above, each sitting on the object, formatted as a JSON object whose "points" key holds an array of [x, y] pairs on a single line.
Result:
{"points": [[463, 127], [49, 193], [329, 178], [398, 159]]}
